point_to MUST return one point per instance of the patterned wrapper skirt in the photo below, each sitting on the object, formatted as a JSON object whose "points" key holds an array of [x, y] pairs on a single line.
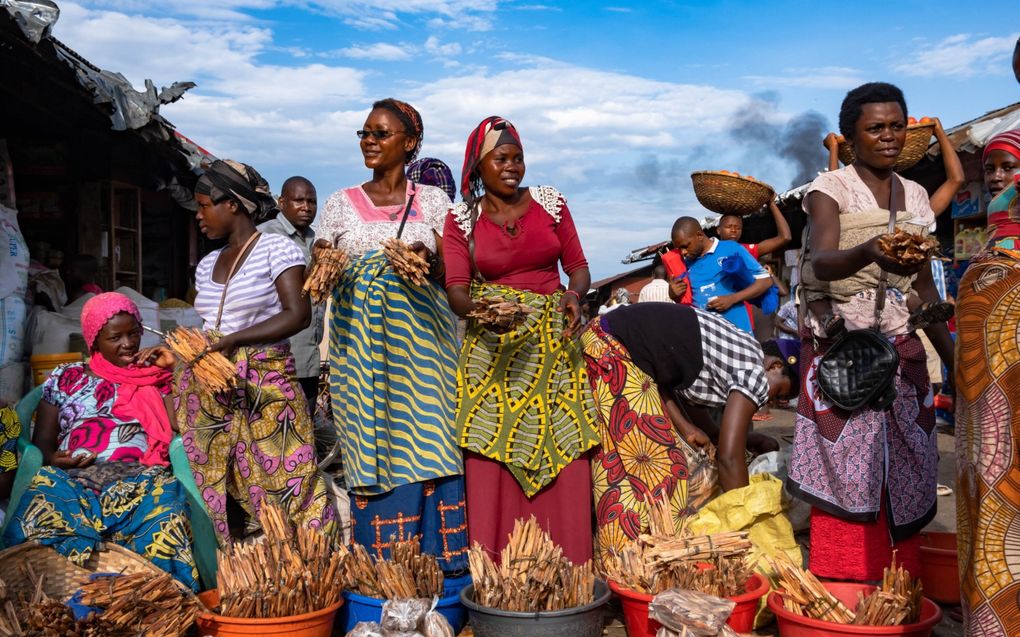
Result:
{"points": [[392, 385], [255, 442], [526, 419], [987, 430], [870, 475], [146, 513], [641, 459]]}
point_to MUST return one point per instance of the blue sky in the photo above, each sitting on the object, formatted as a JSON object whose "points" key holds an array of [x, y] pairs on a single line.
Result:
{"points": [[617, 102]]}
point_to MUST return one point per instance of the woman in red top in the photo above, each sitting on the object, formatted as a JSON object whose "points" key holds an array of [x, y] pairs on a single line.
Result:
{"points": [[524, 413]]}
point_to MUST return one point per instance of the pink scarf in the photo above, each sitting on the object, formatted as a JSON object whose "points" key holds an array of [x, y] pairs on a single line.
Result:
{"points": [[139, 399]]}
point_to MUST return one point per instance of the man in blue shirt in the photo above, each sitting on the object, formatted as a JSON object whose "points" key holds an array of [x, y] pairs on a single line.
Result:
{"points": [[712, 288]]}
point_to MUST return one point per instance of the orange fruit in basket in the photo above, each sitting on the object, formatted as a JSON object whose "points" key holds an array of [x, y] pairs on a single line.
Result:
{"points": [[926, 120], [911, 120]]}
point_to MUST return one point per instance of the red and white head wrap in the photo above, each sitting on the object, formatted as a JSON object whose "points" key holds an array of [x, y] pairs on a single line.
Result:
{"points": [[1008, 141], [492, 132]]}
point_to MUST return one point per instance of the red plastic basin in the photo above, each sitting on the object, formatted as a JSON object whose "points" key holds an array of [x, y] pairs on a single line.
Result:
{"points": [[639, 624], [791, 625], [940, 570]]}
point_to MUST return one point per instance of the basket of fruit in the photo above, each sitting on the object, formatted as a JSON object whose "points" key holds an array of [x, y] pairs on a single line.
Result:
{"points": [[919, 133], [730, 193]]}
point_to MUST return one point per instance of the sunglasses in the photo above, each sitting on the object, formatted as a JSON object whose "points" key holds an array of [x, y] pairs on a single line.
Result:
{"points": [[378, 135]]}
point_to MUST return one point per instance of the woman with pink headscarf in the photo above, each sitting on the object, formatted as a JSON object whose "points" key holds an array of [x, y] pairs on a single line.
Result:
{"points": [[988, 408], [104, 428]]}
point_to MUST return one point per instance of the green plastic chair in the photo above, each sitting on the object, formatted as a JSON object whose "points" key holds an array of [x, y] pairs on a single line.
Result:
{"points": [[30, 461]]}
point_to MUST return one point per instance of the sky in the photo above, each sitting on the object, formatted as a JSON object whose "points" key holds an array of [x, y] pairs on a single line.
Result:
{"points": [[617, 103]]}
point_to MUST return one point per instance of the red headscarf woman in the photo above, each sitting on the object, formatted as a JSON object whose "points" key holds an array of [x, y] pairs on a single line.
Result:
{"points": [[524, 405]]}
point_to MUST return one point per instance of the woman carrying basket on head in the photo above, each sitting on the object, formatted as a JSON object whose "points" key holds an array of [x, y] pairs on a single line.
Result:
{"points": [[393, 352], [525, 409], [255, 442]]}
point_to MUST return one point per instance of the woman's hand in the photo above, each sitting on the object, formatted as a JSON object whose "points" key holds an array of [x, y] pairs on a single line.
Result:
{"points": [[693, 434], [321, 243], [65, 461], [226, 345], [422, 250], [570, 306], [160, 356], [887, 263], [831, 141]]}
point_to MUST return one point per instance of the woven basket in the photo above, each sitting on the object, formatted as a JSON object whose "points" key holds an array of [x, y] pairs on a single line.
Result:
{"points": [[730, 194], [62, 577], [914, 148]]}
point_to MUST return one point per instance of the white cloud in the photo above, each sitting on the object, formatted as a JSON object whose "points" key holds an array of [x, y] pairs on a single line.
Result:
{"points": [[433, 46], [825, 77], [961, 55], [585, 130], [381, 51], [620, 9]]}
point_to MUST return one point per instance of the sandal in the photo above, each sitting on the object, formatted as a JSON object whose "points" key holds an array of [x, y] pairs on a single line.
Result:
{"points": [[930, 314], [758, 417], [833, 325]]}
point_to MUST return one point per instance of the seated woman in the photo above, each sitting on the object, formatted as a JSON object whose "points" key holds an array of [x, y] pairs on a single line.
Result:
{"points": [[104, 429]]}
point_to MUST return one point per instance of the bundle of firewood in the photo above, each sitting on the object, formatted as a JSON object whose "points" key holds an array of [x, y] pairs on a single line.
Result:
{"points": [[408, 573], [496, 311], [897, 601], [533, 575], [407, 263], [290, 572], [142, 603], [41, 616], [211, 369], [668, 556], [327, 265], [654, 564], [907, 248]]}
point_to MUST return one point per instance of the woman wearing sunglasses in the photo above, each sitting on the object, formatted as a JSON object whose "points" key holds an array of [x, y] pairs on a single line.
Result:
{"points": [[393, 352], [525, 409]]}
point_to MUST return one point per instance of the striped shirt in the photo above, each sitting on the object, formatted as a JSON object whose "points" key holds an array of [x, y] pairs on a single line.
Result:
{"points": [[251, 296]]}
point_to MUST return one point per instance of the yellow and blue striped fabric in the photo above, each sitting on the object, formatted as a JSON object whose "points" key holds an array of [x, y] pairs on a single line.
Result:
{"points": [[392, 378]]}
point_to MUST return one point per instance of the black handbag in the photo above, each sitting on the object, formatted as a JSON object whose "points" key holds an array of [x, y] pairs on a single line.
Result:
{"points": [[859, 368]]}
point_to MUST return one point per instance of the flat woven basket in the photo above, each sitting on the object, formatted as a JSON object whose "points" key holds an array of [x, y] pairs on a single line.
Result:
{"points": [[730, 194], [61, 577], [914, 148]]}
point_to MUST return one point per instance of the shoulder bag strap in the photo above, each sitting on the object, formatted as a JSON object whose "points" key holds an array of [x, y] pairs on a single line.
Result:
{"points": [[233, 271], [407, 210], [475, 212], [883, 279]]}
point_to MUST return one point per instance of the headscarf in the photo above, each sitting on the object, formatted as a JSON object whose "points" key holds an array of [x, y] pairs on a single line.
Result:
{"points": [[138, 396], [240, 182], [492, 132], [410, 118], [1008, 141], [433, 172]]}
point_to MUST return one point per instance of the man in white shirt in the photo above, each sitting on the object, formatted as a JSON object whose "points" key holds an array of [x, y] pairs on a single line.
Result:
{"points": [[658, 289], [298, 205]]}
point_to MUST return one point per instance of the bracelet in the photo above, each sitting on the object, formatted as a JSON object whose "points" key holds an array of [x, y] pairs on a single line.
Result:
{"points": [[575, 294]]}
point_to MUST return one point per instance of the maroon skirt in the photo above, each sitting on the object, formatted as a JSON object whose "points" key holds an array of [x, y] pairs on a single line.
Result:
{"points": [[563, 508]]}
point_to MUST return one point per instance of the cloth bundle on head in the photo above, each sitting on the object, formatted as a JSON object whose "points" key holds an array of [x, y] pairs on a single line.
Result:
{"points": [[138, 396], [226, 178], [1008, 141], [411, 120], [433, 172], [492, 132]]}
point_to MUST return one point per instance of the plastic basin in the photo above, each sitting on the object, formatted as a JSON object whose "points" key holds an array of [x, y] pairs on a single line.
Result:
{"points": [[639, 624], [791, 625], [360, 608], [316, 624], [940, 571], [583, 621]]}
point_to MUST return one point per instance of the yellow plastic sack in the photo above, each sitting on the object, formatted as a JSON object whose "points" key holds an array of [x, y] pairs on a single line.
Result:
{"points": [[758, 509]]}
